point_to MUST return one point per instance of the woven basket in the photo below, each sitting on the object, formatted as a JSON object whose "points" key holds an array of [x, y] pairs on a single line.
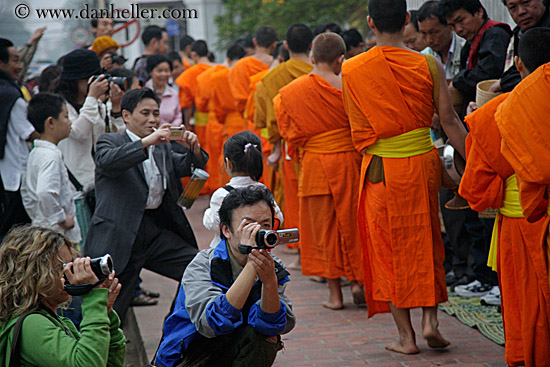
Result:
{"points": [[482, 92], [488, 213], [456, 97]]}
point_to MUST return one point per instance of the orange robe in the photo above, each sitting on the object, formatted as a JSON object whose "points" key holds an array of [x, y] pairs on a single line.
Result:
{"points": [[311, 116], [273, 81], [249, 117], [520, 255], [239, 79], [523, 124], [214, 137], [388, 92], [187, 81]]}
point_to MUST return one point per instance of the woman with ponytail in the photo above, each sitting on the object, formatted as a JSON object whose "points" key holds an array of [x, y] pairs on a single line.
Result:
{"points": [[243, 163]]}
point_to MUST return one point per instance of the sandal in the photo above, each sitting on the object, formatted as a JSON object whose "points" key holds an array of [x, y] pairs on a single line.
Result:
{"points": [[143, 300], [150, 294]]}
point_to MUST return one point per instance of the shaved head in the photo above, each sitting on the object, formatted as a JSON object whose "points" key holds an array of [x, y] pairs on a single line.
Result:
{"points": [[298, 38], [388, 15], [327, 48]]}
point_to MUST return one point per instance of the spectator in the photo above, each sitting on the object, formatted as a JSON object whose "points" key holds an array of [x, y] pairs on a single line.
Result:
{"points": [[104, 47], [87, 112], [30, 304], [155, 41], [128, 74], [229, 302], [177, 68], [137, 219], [15, 131], [160, 70], [27, 51], [48, 76], [412, 36], [103, 27], [46, 190]]}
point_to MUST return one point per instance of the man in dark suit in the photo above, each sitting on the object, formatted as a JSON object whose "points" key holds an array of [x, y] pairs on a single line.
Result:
{"points": [[136, 218]]}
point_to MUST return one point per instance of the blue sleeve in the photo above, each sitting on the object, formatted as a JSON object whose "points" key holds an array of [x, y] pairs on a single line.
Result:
{"points": [[222, 317], [267, 323]]}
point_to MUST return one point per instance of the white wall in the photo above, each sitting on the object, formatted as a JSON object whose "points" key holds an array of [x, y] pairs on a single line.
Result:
{"points": [[495, 9]]}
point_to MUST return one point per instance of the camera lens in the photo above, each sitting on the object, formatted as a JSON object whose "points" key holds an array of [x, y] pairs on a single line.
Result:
{"points": [[271, 239]]}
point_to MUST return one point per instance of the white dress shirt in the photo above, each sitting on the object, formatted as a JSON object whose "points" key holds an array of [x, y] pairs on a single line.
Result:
{"points": [[16, 152], [46, 190], [211, 218], [153, 177]]}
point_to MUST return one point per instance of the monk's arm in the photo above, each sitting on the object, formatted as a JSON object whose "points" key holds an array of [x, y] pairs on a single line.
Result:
{"points": [[450, 122]]}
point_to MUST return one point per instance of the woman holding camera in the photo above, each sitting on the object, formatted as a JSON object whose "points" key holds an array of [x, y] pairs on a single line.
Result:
{"points": [[31, 280], [159, 68], [85, 98]]}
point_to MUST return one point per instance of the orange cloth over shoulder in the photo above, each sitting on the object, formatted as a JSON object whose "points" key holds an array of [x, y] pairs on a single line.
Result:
{"points": [[187, 81], [311, 116], [225, 106], [387, 92], [214, 137], [239, 79], [186, 65], [525, 304]]}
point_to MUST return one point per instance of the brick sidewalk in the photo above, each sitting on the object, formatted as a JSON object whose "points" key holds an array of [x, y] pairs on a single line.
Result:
{"points": [[332, 338]]}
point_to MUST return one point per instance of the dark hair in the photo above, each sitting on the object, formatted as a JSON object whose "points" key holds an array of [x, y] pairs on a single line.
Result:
{"points": [[235, 52], [245, 42], [68, 89], [174, 56], [42, 106], [244, 150], [533, 48], [431, 9], [150, 32], [154, 60], [127, 73], [414, 19], [323, 27], [186, 41], [388, 15], [131, 98], [200, 47], [265, 36], [352, 38], [4, 53], [448, 7], [244, 196], [95, 21], [47, 78], [299, 38]]}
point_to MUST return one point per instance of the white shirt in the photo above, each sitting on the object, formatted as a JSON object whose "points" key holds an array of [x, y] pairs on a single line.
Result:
{"points": [[211, 218], [16, 151], [153, 176], [46, 190]]}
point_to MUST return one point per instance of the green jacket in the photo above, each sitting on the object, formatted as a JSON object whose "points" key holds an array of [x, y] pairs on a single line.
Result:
{"points": [[47, 341]]}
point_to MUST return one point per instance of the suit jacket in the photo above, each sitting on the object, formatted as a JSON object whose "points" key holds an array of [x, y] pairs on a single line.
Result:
{"points": [[122, 191]]}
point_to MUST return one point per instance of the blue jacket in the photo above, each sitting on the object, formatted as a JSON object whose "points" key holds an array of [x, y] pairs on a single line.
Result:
{"points": [[202, 310]]}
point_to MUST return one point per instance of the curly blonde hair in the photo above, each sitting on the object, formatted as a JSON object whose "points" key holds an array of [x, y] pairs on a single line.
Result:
{"points": [[30, 268]]}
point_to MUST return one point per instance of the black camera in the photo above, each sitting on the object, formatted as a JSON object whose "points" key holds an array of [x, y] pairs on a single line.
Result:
{"points": [[268, 239], [122, 82], [118, 59], [101, 266]]}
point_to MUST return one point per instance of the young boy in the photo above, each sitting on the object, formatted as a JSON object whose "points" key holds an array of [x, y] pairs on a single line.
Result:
{"points": [[47, 194]]}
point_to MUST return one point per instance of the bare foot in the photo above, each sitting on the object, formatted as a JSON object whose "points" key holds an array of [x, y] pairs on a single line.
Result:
{"points": [[408, 348], [434, 338], [317, 279], [333, 305], [357, 293], [296, 265]]}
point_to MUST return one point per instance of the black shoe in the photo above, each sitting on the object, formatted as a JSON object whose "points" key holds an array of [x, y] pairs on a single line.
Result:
{"points": [[450, 278], [460, 281]]}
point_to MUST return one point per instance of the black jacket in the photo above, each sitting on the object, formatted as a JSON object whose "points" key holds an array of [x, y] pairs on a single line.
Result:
{"points": [[9, 92]]}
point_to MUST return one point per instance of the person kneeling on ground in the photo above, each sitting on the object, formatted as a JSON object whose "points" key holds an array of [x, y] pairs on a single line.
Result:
{"points": [[231, 308]]}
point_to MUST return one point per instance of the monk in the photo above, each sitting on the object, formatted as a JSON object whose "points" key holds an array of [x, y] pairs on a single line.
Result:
{"points": [[522, 120], [186, 42], [389, 98], [265, 41], [214, 129], [187, 81], [298, 42], [311, 116]]}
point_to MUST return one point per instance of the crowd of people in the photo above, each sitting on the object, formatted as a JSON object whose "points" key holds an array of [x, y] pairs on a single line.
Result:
{"points": [[332, 133]]}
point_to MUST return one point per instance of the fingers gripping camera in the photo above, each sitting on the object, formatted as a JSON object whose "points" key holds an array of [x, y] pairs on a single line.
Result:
{"points": [[268, 239]]}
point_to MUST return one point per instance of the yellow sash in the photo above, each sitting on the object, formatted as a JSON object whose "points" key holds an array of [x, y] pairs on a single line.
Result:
{"points": [[234, 120], [201, 118], [409, 144], [334, 141], [511, 207], [264, 133]]}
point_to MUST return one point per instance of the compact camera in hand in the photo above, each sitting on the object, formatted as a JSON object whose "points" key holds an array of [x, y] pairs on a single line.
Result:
{"points": [[176, 133], [101, 266], [268, 239]]}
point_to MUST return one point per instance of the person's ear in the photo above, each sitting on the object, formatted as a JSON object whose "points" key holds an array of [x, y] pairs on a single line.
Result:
{"points": [[312, 59], [407, 19], [255, 42], [228, 164], [340, 60], [362, 45], [370, 22], [285, 43], [519, 63], [126, 116], [226, 231], [49, 124]]}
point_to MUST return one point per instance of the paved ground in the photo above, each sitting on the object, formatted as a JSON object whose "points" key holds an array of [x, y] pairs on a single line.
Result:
{"points": [[332, 338]]}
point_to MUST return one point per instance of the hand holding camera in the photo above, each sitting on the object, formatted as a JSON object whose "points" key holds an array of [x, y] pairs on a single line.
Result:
{"points": [[79, 271], [99, 85]]}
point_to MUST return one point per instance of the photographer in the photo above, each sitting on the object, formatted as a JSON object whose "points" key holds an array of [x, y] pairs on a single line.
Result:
{"points": [[31, 280], [105, 47], [231, 308], [137, 219]]}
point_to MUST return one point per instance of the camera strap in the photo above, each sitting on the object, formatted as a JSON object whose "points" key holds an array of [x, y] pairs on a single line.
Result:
{"points": [[82, 289]]}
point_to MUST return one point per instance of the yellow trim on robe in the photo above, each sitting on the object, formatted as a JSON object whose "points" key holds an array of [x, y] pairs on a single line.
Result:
{"points": [[201, 118], [409, 144]]}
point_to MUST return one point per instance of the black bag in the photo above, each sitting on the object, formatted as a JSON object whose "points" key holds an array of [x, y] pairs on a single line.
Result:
{"points": [[15, 353]]}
